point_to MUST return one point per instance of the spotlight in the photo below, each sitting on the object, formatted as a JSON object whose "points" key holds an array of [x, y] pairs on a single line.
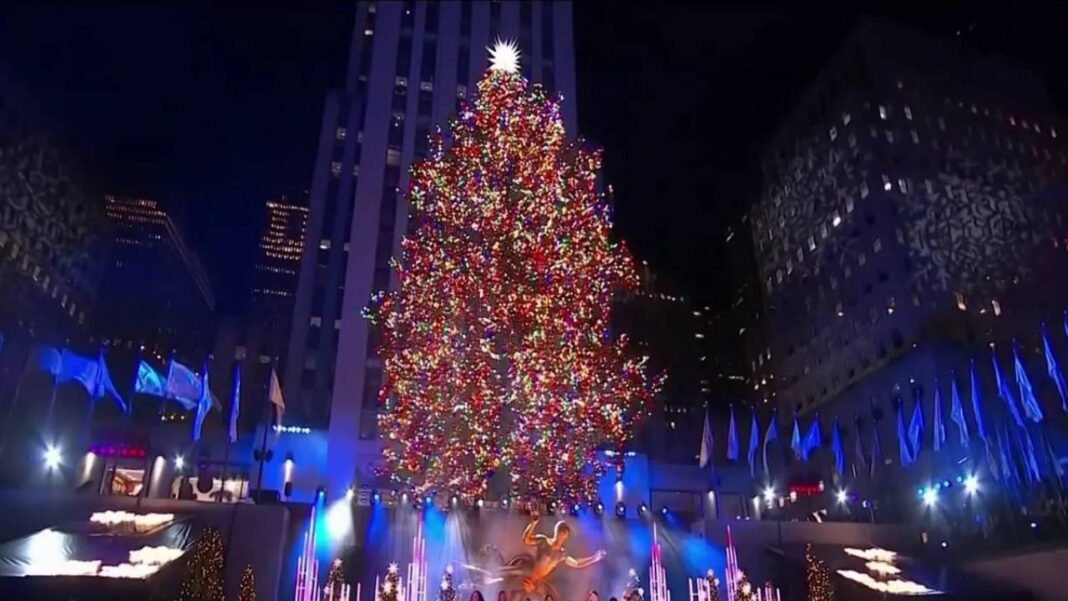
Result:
{"points": [[404, 497], [350, 493], [930, 497], [598, 508], [504, 502], [575, 509], [52, 457], [769, 494], [945, 544], [479, 503], [1034, 525], [428, 500], [642, 509], [842, 496], [320, 494], [621, 510], [375, 497], [179, 462], [454, 500], [971, 485], [664, 510]]}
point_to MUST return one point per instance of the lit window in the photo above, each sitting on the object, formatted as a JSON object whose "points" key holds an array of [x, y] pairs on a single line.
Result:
{"points": [[942, 123], [823, 230], [838, 309], [1012, 120], [852, 141], [356, 170], [960, 301], [1052, 132], [902, 185], [324, 244], [863, 189], [849, 204], [889, 136], [882, 112], [335, 168], [392, 156], [833, 133], [811, 243], [400, 81], [846, 118], [699, 336], [426, 86], [908, 113], [862, 259], [340, 133], [836, 220], [887, 186], [368, 32], [877, 245], [915, 137], [316, 321]]}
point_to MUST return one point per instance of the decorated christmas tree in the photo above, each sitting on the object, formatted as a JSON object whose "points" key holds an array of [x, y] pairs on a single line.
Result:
{"points": [[203, 580], [743, 589], [246, 589], [713, 585], [817, 578], [496, 342], [390, 588], [633, 590], [447, 592], [334, 579]]}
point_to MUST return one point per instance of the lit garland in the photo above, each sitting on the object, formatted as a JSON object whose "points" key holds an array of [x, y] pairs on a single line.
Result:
{"points": [[448, 592], [496, 340], [817, 578], [744, 590], [246, 588], [713, 585], [203, 578], [391, 585]]}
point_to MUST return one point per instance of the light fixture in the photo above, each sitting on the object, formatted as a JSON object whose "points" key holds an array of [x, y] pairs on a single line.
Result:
{"points": [[769, 494], [664, 510], [375, 497], [454, 500], [930, 496], [504, 502], [621, 510], [642, 509], [52, 457], [179, 462], [575, 509], [971, 485], [479, 503], [842, 496], [598, 508]]}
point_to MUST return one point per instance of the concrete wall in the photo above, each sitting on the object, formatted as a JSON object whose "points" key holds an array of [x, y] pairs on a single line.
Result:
{"points": [[1040, 572]]}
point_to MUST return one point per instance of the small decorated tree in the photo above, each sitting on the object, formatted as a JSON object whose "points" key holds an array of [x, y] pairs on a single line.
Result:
{"points": [[203, 577], [447, 592], [634, 590], [246, 589], [713, 585], [817, 578], [335, 578], [390, 588], [743, 589]]}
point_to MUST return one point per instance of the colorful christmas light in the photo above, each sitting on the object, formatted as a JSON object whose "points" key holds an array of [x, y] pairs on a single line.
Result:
{"points": [[496, 341]]}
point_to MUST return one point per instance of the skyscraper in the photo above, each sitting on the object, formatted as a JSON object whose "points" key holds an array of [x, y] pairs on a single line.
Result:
{"points": [[409, 65], [903, 226], [274, 278]]}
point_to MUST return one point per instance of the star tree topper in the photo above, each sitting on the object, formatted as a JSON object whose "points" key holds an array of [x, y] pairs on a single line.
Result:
{"points": [[504, 56]]}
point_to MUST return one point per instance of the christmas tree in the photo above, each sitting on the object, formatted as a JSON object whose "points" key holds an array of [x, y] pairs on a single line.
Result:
{"points": [[390, 587], [496, 338], [246, 589], [713, 585], [334, 579], [447, 593], [203, 579], [743, 590], [817, 578]]}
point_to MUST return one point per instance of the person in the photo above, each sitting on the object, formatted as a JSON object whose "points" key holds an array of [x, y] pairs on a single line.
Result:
{"points": [[476, 595], [593, 596], [502, 596], [612, 599], [532, 570], [549, 597]]}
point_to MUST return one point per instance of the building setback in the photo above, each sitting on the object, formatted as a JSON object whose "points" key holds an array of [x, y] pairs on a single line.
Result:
{"points": [[409, 65]]}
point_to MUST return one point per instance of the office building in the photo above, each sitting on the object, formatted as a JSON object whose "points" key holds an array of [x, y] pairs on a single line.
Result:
{"points": [[409, 65], [909, 220]]}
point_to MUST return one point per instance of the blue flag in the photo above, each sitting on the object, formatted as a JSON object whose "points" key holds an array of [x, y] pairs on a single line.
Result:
{"points": [[939, 426], [1054, 370], [732, 438], [1027, 392], [916, 428], [977, 409], [1029, 457], [1005, 392], [772, 433], [92, 374], [149, 381], [795, 439], [836, 446], [754, 440], [203, 403], [182, 385], [707, 442], [46, 359], [905, 454], [858, 448], [812, 438], [877, 447], [235, 403], [956, 412], [1054, 461]]}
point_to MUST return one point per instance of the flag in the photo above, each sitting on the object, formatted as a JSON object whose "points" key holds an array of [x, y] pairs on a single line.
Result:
{"points": [[916, 428], [812, 438], [1004, 391], [977, 409], [235, 403], [274, 395], [149, 381], [1027, 392], [956, 412], [754, 440], [1007, 470], [204, 403], [46, 359], [1029, 457], [1054, 461], [1053, 370], [905, 455], [795, 439], [836, 446], [939, 426], [772, 433], [92, 374], [732, 438], [706, 442], [182, 385], [858, 447], [876, 449]]}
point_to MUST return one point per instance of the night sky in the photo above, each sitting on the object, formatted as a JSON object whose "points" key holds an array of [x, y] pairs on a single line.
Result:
{"points": [[212, 109]]}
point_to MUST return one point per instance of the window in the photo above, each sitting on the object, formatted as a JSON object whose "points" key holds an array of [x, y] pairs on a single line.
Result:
{"points": [[340, 133], [335, 168], [908, 113], [960, 301], [877, 245], [316, 321], [852, 140], [426, 86], [833, 133], [887, 186], [863, 189], [902, 185], [882, 112], [889, 136], [846, 118], [862, 259], [324, 244], [461, 91], [392, 156], [1052, 133], [915, 137], [356, 170], [942, 123], [996, 306], [811, 243]]}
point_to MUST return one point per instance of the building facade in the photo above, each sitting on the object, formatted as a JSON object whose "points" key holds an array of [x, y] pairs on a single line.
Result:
{"points": [[155, 296], [908, 223], [409, 65]]}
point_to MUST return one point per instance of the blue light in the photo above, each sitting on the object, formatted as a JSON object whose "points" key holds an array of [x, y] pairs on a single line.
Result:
{"points": [[428, 500], [621, 509], [598, 508], [575, 509], [960, 479], [375, 497], [664, 510], [642, 509], [947, 484], [930, 497]]}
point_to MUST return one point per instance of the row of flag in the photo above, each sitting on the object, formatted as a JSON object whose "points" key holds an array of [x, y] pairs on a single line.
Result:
{"points": [[1013, 441], [180, 384]]}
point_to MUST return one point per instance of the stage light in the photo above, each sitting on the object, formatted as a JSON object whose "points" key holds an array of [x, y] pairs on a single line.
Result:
{"points": [[598, 508], [504, 502], [339, 520], [946, 484], [375, 497], [930, 497], [320, 494], [945, 544], [842, 496], [349, 493], [575, 509], [769, 494], [1034, 525], [428, 500], [52, 457], [971, 485], [454, 500], [479, 503], [664, 510], [404, 497], [179, 462], [642, 509], [621, 510]]}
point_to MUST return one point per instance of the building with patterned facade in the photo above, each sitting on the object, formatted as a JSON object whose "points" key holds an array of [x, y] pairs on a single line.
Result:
{"points": [[52, 235], [155, 296], [409, 64], [912, 218]]}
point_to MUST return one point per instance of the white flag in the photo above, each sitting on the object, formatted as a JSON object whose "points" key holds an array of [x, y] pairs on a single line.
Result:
{"points": [[274, 395], [706, 443]]}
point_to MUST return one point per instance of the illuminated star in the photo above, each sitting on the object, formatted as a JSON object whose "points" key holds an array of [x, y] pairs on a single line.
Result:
{"points": [[504, 56], [392, 568]]}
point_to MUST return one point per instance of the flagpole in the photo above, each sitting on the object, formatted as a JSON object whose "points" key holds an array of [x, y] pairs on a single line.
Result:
{"points": [[263, 443], [229, 443]]}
